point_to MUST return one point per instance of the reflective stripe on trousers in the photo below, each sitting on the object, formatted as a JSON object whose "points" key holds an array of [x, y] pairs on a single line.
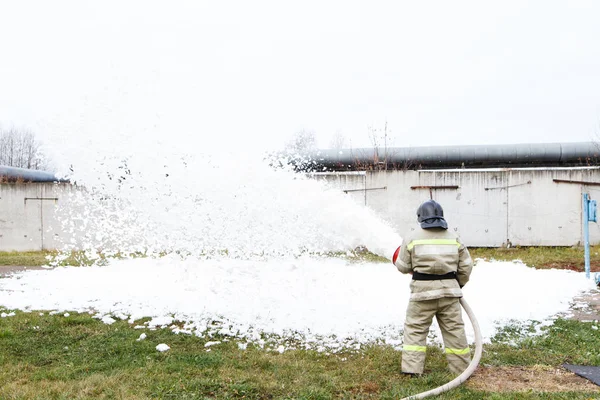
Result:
{"points": [[419, 316]]}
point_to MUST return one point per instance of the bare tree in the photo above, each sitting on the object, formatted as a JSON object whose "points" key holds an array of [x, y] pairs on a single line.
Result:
{"points": [[20, 148], [378, 138], [302, 141], [338, 141]]}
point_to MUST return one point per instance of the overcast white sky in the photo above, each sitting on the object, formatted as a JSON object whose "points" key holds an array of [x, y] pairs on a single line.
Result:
{"points": [[254, 72]]}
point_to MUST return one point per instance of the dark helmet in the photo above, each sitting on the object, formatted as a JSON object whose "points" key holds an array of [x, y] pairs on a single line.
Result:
{"points": [[431, 215]]}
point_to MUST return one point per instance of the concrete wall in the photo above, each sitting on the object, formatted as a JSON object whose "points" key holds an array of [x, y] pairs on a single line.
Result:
{"points": [[27, 215], [490, 208]]}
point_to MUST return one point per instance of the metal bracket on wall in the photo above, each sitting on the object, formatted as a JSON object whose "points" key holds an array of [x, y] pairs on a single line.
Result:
{"points": [[55, 199], [364, 190], [434, 187], [577, 182], [509, 186]]}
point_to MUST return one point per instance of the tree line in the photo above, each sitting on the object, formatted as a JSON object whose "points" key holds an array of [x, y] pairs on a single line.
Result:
{"points": [[21, 149]]}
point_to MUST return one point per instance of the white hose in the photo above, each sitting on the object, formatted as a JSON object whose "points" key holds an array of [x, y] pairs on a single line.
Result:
{"points": [[470, 369]]}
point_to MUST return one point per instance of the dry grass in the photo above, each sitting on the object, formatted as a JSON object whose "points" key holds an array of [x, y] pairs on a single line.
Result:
{"points": [[96, 386], [538, 378]]}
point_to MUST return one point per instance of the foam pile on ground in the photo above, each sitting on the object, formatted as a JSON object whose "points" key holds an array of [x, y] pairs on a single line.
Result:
{"points": [[314, 303]]}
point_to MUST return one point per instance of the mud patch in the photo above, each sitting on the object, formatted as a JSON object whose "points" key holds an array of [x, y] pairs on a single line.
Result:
{"points": [[586, 307], [6, 270], [538, 378], [578, 267]]}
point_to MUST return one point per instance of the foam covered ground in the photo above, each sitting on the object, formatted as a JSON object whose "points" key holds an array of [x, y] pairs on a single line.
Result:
{"points": [[321, 303]]}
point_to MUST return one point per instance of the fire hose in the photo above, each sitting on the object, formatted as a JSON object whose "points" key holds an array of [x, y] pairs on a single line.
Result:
{"points": [[470, 369]]}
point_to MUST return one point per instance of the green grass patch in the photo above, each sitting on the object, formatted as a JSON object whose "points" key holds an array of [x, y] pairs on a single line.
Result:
{"points": [[565, 341], [24, 258], [542, 257], [571, 258], [538, 257], [57, 357], [38, 258], [358, 255], [76, 258]]}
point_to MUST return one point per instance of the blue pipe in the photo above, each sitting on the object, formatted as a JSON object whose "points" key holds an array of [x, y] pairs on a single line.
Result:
{"points": [[586, 233]]}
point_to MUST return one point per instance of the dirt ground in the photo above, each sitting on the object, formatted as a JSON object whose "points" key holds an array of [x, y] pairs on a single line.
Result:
{"points": [[539, 378], [10, 269], [586, 307], [594, 266]]}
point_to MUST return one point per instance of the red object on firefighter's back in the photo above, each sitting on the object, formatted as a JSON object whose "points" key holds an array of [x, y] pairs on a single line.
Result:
{"points": [[396, 253]]}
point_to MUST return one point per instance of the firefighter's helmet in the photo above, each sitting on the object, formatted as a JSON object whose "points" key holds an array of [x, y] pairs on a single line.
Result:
{"points": [[431, 215]]}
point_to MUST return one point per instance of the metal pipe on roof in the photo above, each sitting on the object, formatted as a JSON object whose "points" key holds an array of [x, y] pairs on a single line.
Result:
{"points": [[27, 175], [581, 153]]}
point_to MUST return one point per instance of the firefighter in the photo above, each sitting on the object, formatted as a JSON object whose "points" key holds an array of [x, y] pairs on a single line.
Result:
{"points": [[440, 266]]}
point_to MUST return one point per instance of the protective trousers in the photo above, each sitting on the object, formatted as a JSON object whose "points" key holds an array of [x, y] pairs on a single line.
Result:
{"points": [[419, 315]]}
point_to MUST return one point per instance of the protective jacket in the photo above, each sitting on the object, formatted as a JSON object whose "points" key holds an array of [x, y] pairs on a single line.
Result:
{"points": [[440, 265], [434, 251]]}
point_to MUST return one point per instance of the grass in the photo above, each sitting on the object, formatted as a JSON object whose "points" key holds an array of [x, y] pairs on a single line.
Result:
{"points": [[78, 357], [57, 357], [538, 257], [566, 341], [543, 257], [37, 258], [24, 258]]}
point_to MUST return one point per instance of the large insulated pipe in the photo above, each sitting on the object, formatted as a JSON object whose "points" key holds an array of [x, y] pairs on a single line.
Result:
{"points": [[581, 153], [470, 369], [27, 175]]}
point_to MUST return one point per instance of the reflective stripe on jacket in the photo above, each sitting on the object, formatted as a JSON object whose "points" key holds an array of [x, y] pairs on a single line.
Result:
{"points": [[435, 251]]}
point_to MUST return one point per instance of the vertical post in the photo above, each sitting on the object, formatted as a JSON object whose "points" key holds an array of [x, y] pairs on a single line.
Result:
{"points": [[586, 234], [507, 215], [42, 195], [365, 181]]}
